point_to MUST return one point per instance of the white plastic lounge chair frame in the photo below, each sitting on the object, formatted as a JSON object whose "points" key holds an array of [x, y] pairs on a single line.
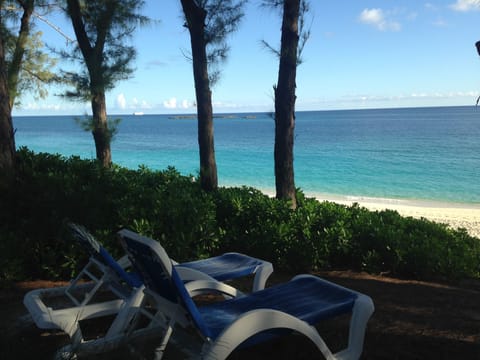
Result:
{"points": [[224, 326], [103, 273]]}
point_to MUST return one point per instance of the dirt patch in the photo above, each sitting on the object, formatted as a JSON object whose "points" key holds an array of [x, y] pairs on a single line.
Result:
{"points": [[412, 320]]}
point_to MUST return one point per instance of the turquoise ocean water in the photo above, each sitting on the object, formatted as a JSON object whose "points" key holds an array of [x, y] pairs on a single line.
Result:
{"points": [[414, 153]]}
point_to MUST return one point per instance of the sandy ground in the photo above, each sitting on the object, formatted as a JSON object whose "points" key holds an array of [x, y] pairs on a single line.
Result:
{"points": [[456, 215], [413, 320]]}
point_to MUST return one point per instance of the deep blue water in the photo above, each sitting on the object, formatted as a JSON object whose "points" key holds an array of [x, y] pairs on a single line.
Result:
{"points": [[420, 153]]}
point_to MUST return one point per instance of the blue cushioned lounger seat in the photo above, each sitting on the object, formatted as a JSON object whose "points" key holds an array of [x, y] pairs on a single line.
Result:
{"points": [[223, 326], [307, 297], [227, 266]]}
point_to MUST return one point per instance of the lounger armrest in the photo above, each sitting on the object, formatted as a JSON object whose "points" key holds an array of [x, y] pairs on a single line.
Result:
{"points": [[189, 274], [38, 310], [361, 313], [261, 276], [64, 318], [199, 287]]}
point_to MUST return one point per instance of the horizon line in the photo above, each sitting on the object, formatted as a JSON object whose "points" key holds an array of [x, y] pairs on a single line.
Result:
{"points": [[249, 112]]}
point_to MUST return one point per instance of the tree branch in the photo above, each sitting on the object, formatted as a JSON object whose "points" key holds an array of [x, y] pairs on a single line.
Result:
{"points": [[54, 27]]}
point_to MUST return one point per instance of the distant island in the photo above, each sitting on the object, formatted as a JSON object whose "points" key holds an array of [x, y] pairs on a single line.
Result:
{"points": [[222, 116], [180, 117]]}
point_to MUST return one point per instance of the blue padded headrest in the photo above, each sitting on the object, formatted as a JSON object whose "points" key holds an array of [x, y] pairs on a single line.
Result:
{"points": [[88, 242]]}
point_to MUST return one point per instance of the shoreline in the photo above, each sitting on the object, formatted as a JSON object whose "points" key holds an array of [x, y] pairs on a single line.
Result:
{"points": [[456, 215]]}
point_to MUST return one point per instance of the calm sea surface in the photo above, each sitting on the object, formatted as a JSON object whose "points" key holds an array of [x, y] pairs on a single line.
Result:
{"points": [[421, 153]]}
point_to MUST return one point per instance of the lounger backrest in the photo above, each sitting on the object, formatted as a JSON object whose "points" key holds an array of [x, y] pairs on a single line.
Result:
{"points": [[93, 247], [85, 239], [152, 262]]}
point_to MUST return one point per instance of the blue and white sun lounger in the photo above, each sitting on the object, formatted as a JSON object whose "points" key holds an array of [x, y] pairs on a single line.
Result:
{"points": [[223, 326], [106, 287]]}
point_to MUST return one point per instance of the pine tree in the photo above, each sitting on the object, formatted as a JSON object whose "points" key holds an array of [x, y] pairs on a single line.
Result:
{"points": [[102, 29], [209, 23]]}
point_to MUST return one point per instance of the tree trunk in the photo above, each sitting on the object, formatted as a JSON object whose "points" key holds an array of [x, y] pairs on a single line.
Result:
{"points": [[7, 138], [101, 133], [195, 16], [93, 60], [285, 104], [17, 58]]}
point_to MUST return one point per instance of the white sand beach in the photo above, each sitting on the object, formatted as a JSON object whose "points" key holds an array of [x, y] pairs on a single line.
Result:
{"points": [[456, 215]]}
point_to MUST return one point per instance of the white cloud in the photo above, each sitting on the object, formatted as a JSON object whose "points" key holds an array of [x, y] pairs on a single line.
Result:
{"points": [[42, 106], [379, 19], [466, 5], [45, 107], [414, 96], [224, 105], [371, 101], [170, 103], [185, 104], [121, 101], [173, 103], [372, 16]]}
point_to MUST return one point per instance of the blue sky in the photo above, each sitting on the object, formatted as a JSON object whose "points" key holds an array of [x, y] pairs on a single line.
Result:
{"points": [[361, 54]]}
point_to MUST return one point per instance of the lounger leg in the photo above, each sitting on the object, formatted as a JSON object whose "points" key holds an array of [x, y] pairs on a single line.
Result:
{"points": [[126, 314], [160, 350], [362, 310]]}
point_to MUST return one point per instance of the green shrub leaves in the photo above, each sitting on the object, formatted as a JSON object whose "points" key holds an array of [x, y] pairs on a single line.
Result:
{"points": [[50, 190]]}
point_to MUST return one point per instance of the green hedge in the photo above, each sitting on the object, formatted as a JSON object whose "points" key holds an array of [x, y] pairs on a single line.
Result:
{"points": [[50, 190]]}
